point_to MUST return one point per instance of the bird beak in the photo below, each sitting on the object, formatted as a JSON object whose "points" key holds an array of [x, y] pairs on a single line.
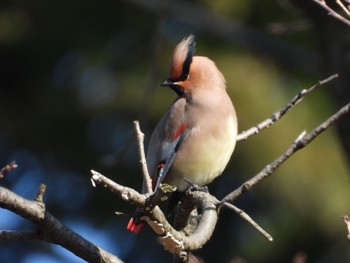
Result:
{"points": [[167, 83], [174, 86]]}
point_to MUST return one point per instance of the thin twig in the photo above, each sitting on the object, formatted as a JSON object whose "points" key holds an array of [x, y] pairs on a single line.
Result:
{"points": [[140, 138], [7, 168], [331, 12], [247, 218], [39, 198], [346, 10], [40, 194], [302, 140], [280, 113], [127, 194]]}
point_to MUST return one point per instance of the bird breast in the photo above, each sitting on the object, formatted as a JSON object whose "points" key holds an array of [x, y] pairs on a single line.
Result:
{"points": [[207, 149]]}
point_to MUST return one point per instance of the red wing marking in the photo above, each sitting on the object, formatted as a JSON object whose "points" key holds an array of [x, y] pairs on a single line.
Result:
{"points": [[179, 131]]}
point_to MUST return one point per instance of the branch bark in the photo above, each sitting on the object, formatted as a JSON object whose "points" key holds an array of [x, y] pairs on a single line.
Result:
{"points": [[7, 168], [140, 138], [50, 229], [173, 240]]}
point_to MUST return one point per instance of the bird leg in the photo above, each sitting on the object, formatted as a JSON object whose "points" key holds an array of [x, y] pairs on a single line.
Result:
{"points": [[196, 187]]}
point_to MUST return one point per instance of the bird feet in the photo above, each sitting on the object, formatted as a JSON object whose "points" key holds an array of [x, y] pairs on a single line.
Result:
{"points": [[196, 187]]}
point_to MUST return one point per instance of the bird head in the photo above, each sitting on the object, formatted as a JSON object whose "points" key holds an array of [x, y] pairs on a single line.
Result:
{"points": [[189, 73]]}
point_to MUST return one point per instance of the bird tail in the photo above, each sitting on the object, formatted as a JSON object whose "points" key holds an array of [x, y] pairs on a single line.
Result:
{"points": [[135, 224]]}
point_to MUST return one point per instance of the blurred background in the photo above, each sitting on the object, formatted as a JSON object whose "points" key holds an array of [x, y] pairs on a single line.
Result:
{"points": [[75, 74]]}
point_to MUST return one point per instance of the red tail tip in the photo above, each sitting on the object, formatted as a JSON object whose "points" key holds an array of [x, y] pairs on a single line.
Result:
{"points": [[134, 225]]}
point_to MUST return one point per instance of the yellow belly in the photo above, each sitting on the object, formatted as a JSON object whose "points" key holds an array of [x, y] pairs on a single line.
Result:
{"points": [[205, 159]]}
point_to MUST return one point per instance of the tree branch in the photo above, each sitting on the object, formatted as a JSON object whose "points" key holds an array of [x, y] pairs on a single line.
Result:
{"points": [[50, 229], [172, 240], [140, 138], [280, 113], [302, 140], [331, 12], [345, 9], [7, 168], [247, 218], [127, 194]]}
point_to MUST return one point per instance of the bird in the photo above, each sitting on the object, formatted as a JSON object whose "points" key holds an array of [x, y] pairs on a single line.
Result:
{"points": [[195, 138]]}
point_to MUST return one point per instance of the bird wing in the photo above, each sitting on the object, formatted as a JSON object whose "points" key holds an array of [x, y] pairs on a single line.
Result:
{"points": [[171, 131]]}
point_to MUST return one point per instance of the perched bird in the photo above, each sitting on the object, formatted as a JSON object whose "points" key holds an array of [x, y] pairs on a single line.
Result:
{"points": [[195, 138]]}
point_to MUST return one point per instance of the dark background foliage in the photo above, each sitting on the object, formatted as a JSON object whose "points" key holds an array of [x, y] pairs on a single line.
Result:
{"points": [[75, 74]]}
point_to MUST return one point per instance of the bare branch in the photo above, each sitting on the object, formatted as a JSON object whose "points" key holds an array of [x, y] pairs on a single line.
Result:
{"points": [[302, 140], [127, 194], [140, 138], [40, 194], [331, 12], [173, 240], [158, 222], [280, 113], [7, 168], [346, 10], [247, 218], [50, 229]]}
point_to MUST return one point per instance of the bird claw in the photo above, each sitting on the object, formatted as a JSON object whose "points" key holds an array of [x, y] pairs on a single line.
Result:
{"points": [[196, 187], [200, 188]]}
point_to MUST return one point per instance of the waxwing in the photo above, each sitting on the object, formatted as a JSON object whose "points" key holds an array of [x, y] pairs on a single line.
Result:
{"points": [[194, 140]]}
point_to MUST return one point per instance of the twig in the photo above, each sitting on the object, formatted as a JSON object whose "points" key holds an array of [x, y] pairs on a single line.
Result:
{"points": [[302, 140], [247, 218], [280, 113], [331, 12], [140, 138], [346, 10], [40, 194], [39, 198], [347, 223], [127, 194], [7, 168]]}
